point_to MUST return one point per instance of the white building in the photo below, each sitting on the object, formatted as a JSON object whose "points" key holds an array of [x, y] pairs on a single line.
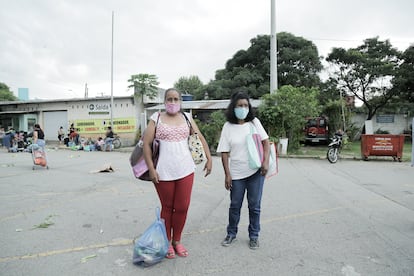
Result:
{"points": [[90, 116]]}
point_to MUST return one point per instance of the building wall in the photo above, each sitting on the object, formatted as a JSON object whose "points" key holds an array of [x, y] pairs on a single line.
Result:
{"points": [[393, 123], [52, 121], [90, 116]]}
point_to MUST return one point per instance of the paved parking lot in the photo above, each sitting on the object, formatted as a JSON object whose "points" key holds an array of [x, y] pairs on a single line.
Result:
{"points": [[349, 218]]}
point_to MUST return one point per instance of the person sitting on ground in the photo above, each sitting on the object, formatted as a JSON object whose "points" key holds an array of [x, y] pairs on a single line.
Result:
{"points": [[99, 144]]}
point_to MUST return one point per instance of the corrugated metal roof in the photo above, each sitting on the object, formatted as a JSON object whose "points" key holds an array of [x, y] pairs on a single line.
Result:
{"points": [[63, 100], [17, 112]]}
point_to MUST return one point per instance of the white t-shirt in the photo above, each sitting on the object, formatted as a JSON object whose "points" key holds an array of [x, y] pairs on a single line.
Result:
{"points": [[175, 160], [233, 140]]}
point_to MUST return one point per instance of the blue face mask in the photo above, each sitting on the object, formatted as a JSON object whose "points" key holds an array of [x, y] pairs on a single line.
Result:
{"points": [[241, 112]]}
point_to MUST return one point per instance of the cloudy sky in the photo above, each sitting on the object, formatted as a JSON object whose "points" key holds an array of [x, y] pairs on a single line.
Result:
{"points": [[55, 47]]}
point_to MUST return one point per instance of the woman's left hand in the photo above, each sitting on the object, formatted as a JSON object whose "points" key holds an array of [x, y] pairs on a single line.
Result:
{"points": [[265, 168]]}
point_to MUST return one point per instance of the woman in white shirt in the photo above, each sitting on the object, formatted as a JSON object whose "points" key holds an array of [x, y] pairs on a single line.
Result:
{"points": [[174, 175], [239, 177]]}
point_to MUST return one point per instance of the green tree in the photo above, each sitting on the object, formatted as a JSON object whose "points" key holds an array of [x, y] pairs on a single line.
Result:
{"points": [[283, 113], [144, 85], [249, 70], [298, 61], [6, 94], [212, 128], [329, 91], [190, 85], [334, 106], [339, 116], [366, 72], [403, 83], [215, 90]]}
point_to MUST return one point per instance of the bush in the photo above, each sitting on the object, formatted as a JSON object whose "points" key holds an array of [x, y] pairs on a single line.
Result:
{"points": [[283, 113], [380, 131], [212, 129]]}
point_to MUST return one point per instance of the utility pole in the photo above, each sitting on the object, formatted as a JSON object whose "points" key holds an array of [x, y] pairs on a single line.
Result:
{"points": [[86, 90], [412, 142], [341, 98], [273, 48], [112, 72]]}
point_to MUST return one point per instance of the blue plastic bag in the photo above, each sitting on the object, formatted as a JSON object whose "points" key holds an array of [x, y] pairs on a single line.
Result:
{"points": [[152, 246]]}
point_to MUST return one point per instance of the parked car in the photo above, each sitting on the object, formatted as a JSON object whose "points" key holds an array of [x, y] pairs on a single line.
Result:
{"points": [[316, 131]]}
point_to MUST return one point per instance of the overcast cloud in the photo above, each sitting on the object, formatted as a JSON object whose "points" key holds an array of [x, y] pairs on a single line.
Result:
{"points": [[54, 47]]}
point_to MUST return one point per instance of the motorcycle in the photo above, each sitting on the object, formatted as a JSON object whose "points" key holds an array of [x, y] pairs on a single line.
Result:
{"points": [[334, 148], [116, 142]]}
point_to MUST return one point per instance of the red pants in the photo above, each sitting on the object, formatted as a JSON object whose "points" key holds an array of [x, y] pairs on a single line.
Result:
{"points": [[175, 199]]}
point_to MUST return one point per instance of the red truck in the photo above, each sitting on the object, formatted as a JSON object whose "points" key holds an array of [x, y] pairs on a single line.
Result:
{"points": [[316, 130]]}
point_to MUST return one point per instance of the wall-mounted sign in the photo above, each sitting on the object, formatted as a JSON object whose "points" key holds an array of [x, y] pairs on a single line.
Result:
{"points": [[101, 125], [385, 118], [99, 108]]}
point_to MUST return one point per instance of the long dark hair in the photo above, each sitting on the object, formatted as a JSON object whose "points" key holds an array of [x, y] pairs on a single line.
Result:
{"points": [[230, 116]]}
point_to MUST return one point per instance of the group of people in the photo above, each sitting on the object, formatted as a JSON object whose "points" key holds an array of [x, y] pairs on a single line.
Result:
{"points": [[16, 141], [104, 144], [73, 139], [12, 140], [173, 175]]}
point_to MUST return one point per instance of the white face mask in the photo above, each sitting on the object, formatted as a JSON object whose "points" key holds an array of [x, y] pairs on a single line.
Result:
{"points": [[241, 112]]}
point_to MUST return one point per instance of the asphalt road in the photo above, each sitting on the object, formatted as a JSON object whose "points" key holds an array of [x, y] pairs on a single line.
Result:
{"points": [[349, 218]]}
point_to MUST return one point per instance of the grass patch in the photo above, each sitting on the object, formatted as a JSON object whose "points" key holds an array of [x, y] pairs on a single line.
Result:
{"points": [[352, 149], [45, 224]]}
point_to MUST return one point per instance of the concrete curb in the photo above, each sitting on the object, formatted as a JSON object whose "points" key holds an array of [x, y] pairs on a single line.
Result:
{"points": [[293, 156]]}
